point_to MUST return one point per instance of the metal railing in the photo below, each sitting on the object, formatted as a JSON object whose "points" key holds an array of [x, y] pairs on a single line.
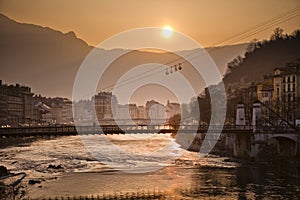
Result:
{"points": [[125, 129]]}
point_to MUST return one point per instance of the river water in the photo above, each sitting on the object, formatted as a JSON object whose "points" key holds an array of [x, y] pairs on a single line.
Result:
{"points": [[91, 165]]}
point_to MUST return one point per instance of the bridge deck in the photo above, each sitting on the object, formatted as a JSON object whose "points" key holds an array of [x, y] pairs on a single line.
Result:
{"points": [[114, 129], [131, 129]]}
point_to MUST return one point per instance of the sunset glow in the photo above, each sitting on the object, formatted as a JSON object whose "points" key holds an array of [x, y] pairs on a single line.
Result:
{"points": [[100, 20], [167, 31], [139, 99]]}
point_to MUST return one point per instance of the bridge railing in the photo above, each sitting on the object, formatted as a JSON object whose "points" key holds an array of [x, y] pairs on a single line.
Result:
{"points": [[276, 129], [71, 130], [37, 130]]}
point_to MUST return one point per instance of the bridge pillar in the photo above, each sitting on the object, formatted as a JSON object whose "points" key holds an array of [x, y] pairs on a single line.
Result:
{"points": [[242, 145], [240, 114], [256, 115]]}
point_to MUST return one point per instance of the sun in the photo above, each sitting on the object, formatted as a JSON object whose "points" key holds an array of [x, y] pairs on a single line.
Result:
{"points": [[167, 31]]}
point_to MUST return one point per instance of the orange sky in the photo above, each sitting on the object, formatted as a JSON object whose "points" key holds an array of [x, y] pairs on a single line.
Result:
{"points": [[208, 22]]}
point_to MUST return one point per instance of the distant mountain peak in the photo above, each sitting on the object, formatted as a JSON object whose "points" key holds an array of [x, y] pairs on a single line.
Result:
{"points": [[71, 34]]}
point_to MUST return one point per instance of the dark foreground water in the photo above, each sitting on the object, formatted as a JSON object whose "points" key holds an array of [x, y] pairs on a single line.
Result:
{"points": [[92, 165], [267, 181]]}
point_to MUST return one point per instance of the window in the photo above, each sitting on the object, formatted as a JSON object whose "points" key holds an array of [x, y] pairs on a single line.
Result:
{"points": [[289, 87], [294, 87], [294, 78], [288, 79]]}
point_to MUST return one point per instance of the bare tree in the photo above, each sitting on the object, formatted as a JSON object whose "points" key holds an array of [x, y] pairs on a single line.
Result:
{"points": [[278, 34]]}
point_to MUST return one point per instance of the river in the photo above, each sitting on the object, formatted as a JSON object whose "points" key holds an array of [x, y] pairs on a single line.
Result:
{"points": [[91, 165]]}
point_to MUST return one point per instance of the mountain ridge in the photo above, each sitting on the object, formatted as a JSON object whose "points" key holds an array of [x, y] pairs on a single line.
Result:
{"points": [[47, 60]]}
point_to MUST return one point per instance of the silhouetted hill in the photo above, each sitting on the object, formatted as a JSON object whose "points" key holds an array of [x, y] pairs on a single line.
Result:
{"points": [[223, 54], [263, 60], [39, 56], [47, 60]]}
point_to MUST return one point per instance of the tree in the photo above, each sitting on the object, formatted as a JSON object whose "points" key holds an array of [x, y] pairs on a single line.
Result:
{"points": [[252, 46], [185, 109], [235, 62], [296, 33], [194, 106], [278, 34], [174, 121]]}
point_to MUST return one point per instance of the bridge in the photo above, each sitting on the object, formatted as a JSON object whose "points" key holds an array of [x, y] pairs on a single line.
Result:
{"points": [[243, 140], [267, 139], [121, 129], [63, 130]]}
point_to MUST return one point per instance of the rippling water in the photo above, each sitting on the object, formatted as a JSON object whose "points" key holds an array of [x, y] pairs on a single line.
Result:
{"points": [[99, 164]]}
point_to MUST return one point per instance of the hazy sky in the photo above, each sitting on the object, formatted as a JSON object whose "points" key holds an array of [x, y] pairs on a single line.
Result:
{"points": [[208, 22]]}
